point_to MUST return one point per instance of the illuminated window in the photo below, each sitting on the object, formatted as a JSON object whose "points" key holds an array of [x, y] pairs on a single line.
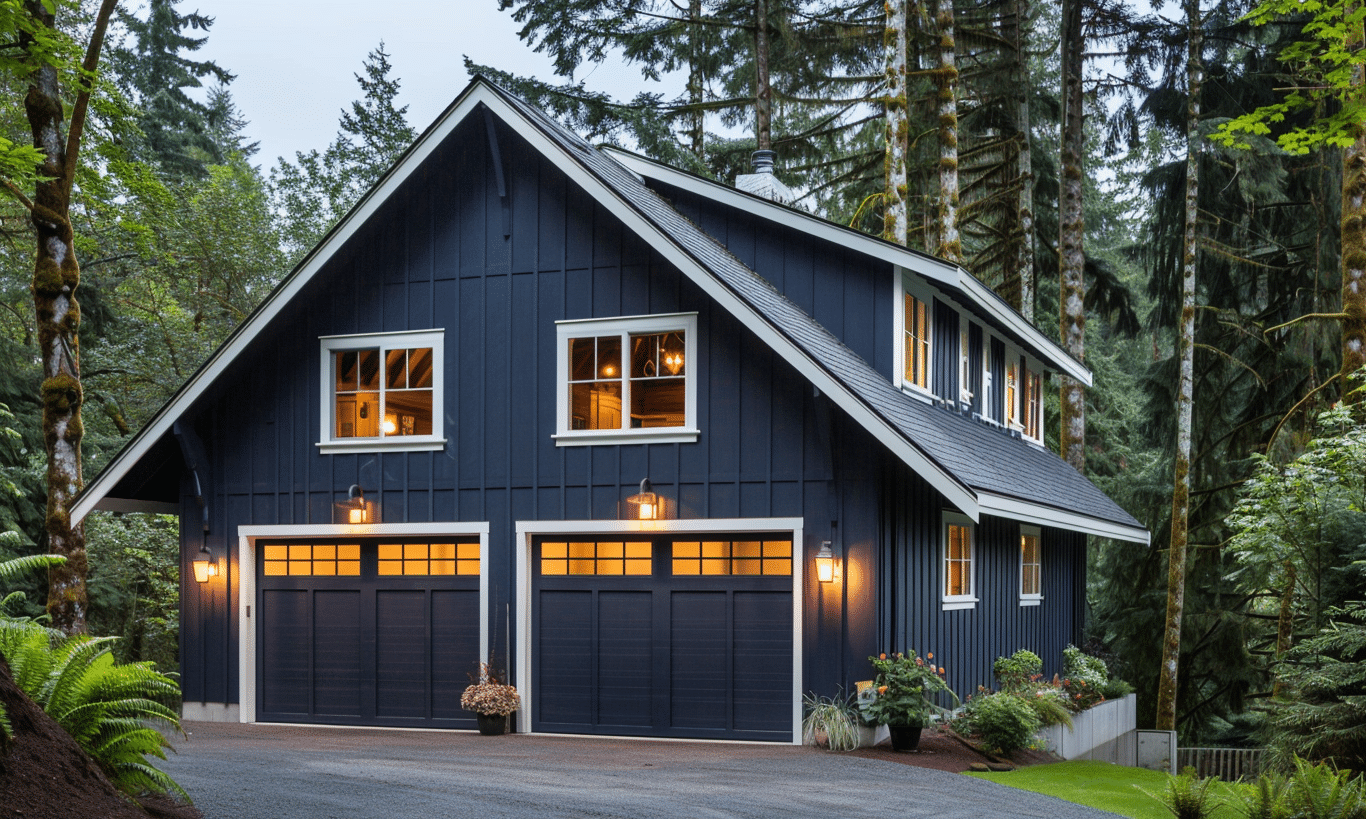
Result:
{"points": [[1031, 590], [965, 372], [627, 380], [382, 391], [737, 557], [1013, 395], [958, 585], [428, 559], [1033, 405], [597, 558], [916, 357], [311, 560]]}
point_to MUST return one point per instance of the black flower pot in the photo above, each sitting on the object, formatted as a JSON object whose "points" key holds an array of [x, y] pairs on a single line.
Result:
{"points": [[904, 737], [491, 725]]}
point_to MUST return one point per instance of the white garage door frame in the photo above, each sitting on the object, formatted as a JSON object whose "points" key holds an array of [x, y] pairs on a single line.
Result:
{"points": [[528, 529], [246, 567]]}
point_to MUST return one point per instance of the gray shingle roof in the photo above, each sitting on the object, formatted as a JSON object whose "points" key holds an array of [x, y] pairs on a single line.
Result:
{"points": [[981, 457]]}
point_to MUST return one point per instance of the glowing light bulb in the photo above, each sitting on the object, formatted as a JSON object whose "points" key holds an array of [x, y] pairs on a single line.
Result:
{"points": [[390, 424]]}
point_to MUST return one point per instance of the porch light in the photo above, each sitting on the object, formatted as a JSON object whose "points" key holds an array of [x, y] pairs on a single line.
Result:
{"points": [[825, 563], [645, 501], [204, 565], [355, 510]]}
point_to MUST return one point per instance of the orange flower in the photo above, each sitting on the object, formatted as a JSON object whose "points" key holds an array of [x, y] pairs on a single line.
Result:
{"points": [[882, 656], [919, 662], [882, 689], [930, 656], [941, 669]]}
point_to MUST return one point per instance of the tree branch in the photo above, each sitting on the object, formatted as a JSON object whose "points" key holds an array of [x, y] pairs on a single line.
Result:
{"points": [[86, 83]]}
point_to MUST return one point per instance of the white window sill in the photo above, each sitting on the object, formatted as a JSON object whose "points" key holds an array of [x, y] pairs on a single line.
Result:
{"points": [[1030, 601], [917, 391], [599, 437], [959, 603], [399, 443]]}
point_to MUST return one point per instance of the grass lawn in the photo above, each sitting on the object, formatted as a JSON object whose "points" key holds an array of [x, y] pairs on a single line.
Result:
{"points": [[1103, 786]]}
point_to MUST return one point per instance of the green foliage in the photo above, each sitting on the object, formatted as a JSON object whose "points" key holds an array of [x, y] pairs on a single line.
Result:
{"points": [[1018, 671], [1323, 717], [830, 722], [1264, 799], [1188, 796], [108, 708], [1322, 791], [905, 684], [1004, 721], [135, 584], [1116, 689]]}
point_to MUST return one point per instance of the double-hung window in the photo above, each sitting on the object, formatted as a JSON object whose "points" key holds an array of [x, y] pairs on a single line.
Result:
{"points": [[382, 391], [627, 380], [916, 353], [1024, 400], [958, 587], [1031, 566]]}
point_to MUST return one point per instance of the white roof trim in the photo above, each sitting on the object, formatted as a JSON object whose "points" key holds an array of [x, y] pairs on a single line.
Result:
{"points": [[936, 270], [1026, 512]]}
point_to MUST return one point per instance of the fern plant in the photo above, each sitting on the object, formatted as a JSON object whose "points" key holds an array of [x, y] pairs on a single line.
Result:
{"points": [[111, 710], [1188, 796], [1324, 792], [10, 569]]}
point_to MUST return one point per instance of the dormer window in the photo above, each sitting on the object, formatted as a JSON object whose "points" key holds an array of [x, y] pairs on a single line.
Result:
{"points": [[916, 327], [1024, 400], [964, 369]]}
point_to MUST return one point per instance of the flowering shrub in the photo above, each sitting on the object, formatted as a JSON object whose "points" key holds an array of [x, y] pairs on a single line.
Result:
{"points": [[1085, 678], [489, 696], [1018, 672], [904, 685]]}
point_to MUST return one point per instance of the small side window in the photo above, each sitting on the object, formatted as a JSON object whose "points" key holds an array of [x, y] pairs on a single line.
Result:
{"points": [[959, 588], [1031, 566]]}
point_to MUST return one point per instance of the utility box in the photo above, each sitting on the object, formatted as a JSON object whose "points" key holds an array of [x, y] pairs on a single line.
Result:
{"points": [[1156, 750]]}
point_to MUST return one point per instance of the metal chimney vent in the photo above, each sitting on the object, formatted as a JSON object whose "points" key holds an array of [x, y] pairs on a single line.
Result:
{"points": [[763, 182]]}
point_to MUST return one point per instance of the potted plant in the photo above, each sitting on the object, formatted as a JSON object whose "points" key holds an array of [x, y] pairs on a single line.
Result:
{"points": [[902, 694], [491, 700]]}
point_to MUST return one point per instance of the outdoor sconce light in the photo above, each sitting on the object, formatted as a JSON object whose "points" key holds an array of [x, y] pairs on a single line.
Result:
{"points": [[645, 501], [355, 510], [825, 563], [204, 565]]}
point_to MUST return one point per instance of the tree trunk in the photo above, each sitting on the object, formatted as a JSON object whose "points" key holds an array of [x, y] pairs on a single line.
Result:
{"points": [[56, 275], [945, 236], [1071, 257], [1185, 394], [894, 219], [1285, 622], [697, 117], [1025, 165], [763, 92], [1354, 244]]}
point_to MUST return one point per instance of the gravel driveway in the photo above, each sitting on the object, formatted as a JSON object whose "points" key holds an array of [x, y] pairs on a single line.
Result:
{"points": [[267, 772]]}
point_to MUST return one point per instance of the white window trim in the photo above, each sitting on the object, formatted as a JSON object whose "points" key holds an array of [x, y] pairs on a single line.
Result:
{"points": [[1031, 367], [957, 601], [394, 443], [965, 395], [905, 284], [660, 323], [1031, 599]]}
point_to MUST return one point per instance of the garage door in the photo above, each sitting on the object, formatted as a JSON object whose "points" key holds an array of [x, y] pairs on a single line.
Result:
{"points": [[687, 637], [367, 632]]}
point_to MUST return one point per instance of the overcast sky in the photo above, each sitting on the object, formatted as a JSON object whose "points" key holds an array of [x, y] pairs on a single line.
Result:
{"points": [[295, 60]]}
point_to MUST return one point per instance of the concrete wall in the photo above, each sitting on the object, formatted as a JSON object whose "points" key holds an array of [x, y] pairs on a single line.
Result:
{"points": [[1104, 732]]}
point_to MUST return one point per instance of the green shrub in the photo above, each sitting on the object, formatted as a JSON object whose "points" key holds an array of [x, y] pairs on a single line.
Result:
{"points": [[1265, 798], [1049, 704], [1116, 689], [109, 709], [1077, 665], [1324, 792], [1018, 671], [1188, 796], [1004, 722], [832, 722]]}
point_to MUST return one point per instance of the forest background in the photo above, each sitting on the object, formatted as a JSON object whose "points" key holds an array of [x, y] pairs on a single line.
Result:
{"points": [[182, 228]]}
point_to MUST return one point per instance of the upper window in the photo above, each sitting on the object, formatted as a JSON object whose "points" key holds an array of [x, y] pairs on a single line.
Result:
{"points": [[964, 369], [958, 587], [1031, 589], [627, 380], [382, 391], [916, 326], [1024, 400]]}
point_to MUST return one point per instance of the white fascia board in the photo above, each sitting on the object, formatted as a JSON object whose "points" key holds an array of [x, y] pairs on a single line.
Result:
{"points": [[954, 491], [1039, 515], [133, 505], [161, 423], [936, 270]]}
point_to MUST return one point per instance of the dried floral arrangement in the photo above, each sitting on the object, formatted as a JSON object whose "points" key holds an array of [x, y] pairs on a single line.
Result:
{"points": [[489, 695]]}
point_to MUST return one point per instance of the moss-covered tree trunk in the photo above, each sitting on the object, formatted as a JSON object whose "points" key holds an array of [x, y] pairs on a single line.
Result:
{"points": [[1017, 34], [56, 275], [1071, 256], [763, 91], [945, 235], [1185, 393], [1354, 241], [894, 215]]}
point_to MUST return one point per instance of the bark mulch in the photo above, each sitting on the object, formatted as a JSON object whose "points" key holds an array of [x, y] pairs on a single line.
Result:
{"points": [[944, 750], [46, 774]]}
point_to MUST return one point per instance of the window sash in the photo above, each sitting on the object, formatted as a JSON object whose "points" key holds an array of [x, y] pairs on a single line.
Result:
{"points": [[917, 342], [1031, 566], [381, 391], [958, 561]]}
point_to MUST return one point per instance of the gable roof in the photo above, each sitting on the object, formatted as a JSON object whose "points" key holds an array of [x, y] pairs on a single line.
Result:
{"points": [[975, 468]]}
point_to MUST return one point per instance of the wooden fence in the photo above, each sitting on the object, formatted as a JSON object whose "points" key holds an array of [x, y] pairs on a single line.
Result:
{"points": [[1226, 763]]}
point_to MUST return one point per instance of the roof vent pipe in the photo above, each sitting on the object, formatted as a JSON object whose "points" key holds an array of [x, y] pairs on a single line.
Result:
{"points": [[763, 182]]}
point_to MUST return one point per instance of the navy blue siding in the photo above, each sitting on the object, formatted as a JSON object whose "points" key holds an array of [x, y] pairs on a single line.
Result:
{"points": [[435, 256]]}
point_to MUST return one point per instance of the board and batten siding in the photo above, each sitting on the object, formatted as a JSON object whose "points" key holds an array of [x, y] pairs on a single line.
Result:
{"points": [[435, 257]]}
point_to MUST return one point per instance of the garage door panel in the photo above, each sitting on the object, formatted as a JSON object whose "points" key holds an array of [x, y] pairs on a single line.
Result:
{"points": [[566, 662], [284, 646], [762, 660], [401, 653], [455, 650], [625, 657], [699, 684], [336, 653]]}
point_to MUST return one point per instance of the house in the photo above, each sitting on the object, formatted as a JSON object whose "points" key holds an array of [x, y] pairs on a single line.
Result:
{"points": [[672, 453]]}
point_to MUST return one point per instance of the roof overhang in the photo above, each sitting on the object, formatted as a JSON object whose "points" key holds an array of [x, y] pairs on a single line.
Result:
{"points": [[1039, 514], [937, 271]]}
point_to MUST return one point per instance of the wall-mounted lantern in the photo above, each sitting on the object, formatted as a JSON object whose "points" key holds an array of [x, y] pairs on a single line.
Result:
{"points": [[645, 502], [355, 510], [204, 565], [826, 563]]}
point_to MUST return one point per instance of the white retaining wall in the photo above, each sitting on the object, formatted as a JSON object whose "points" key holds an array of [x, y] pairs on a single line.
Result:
{"points": [[1104, 732]]}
